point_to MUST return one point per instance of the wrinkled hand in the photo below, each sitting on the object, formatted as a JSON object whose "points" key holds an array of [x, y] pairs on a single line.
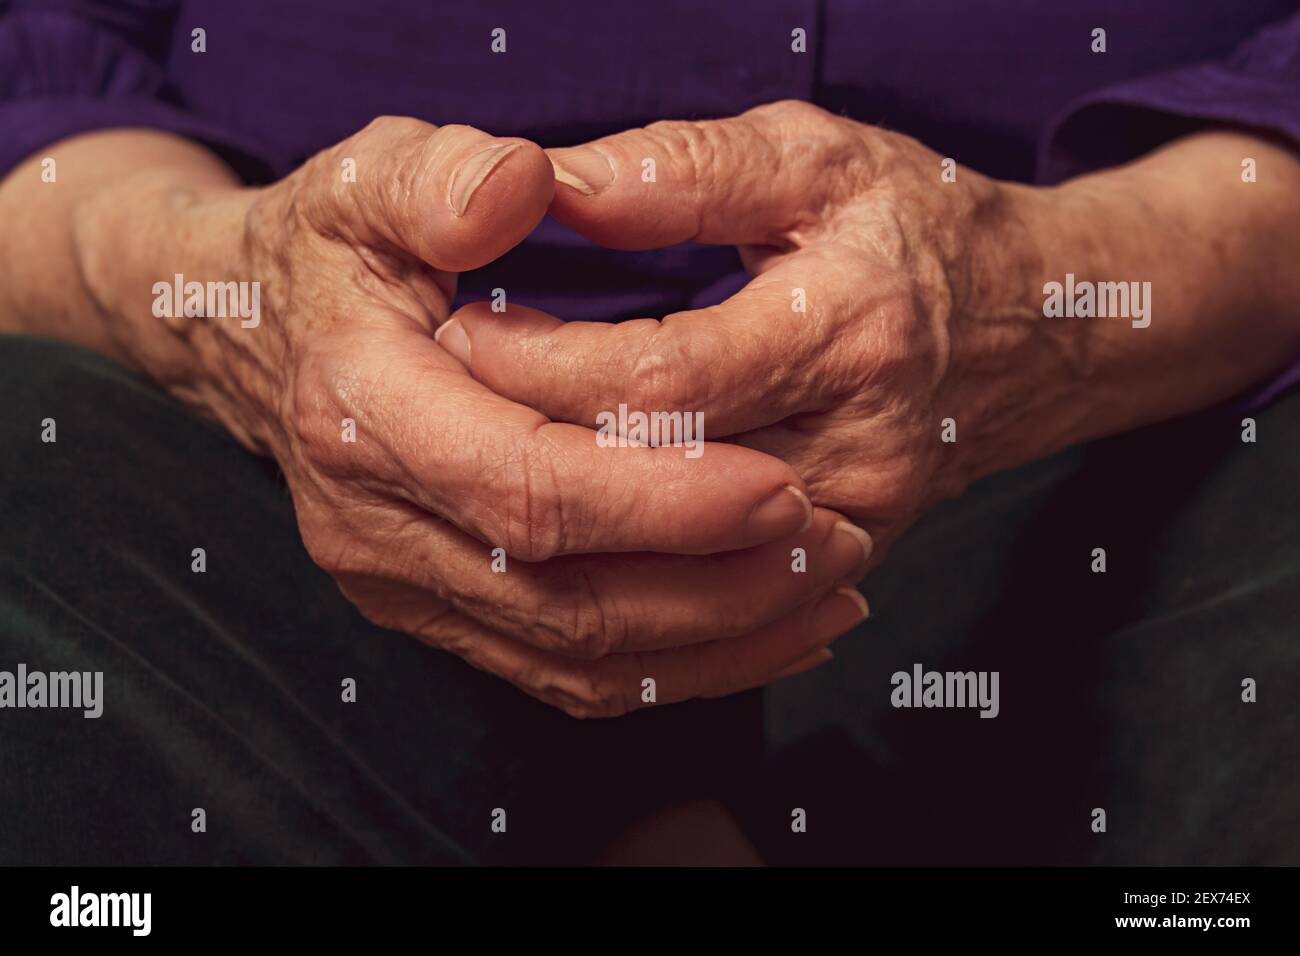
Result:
{"points": [[355, 277], [883, 301]]}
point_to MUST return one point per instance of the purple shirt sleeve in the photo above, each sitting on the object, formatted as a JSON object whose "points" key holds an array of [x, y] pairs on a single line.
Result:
{"points": [[73, 66], [1258, 87]]}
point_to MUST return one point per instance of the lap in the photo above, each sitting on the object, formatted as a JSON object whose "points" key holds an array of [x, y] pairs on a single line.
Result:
{"points": [[223, 689], [1119, 690]]}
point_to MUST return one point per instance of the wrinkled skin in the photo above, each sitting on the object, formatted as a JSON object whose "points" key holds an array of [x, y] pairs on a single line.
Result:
{"points": [[355, 277], [908, 283], [923, 303]]}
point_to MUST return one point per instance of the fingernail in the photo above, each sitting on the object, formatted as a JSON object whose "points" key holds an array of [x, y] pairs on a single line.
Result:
{"points": [[451, 336], [837, 613], [785, 512], [805, 663], [855, 545], [467, 178], [859, 602], [582, 168]]}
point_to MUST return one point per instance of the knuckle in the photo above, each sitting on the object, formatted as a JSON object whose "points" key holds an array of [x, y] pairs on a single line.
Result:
{"points": [[379, 614], [319, 547], [662, 378], [789, 109], [530, 524], [586, 695], [314, 411], [583, 623], [583, 690], [696, 143], [329, 550], [906, 348], [878, 496], [405, 149], [574, 708], [810, 134], [390, 126]]}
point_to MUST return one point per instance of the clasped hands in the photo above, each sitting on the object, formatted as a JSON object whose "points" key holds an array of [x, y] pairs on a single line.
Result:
{"points": [[882, 301]]}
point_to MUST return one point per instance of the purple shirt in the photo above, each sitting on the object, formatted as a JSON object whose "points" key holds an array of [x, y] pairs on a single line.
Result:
{"points": [[1009, 87]]}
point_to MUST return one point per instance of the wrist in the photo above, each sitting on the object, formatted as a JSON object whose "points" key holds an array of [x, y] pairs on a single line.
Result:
{"points": [[1127, 297], [1204, 256], [1015, 379], [149, 249]]}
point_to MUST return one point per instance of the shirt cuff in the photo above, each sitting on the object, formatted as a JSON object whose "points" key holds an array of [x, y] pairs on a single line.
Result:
{"points": [[1258, 90], [1121, 123]]}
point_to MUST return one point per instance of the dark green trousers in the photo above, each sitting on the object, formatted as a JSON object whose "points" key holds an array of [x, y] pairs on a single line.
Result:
{"points": [[223, 690]]}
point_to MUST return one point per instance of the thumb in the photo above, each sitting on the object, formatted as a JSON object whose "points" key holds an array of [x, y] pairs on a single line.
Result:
{"points": [[454, 196], [747, 180]]}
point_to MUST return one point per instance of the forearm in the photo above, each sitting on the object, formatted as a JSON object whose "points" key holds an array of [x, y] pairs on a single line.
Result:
{"points": [[79, 256], [1223, 301], [1220, 255], [45, 290]]}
